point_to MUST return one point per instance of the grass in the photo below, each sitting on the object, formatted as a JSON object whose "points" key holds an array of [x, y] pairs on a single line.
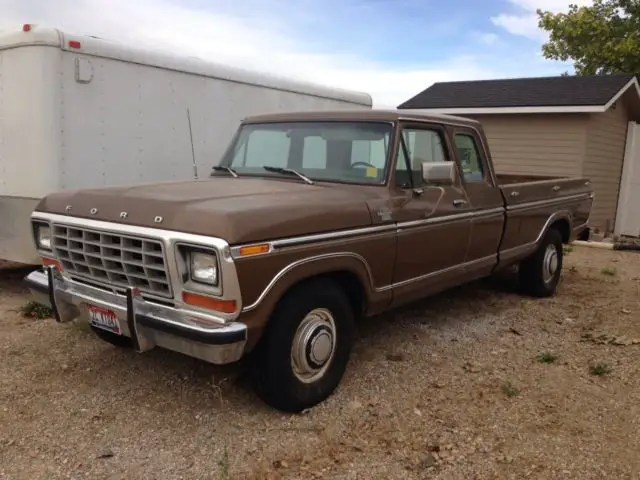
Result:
{"points": [[599, 369], [509, 389], [34, 310], [567, 249], [609, 271], [546, 357], [223, 463]]}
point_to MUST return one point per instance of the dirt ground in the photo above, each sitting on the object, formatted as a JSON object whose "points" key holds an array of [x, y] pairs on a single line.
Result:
{"points": [[478, 383]]}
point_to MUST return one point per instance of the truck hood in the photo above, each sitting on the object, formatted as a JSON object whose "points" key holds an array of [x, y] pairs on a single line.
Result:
{"points": [[238, 210]]}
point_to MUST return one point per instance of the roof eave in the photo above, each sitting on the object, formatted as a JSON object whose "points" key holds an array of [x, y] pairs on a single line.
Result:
{"points": [[511, 110], [631, 84]]}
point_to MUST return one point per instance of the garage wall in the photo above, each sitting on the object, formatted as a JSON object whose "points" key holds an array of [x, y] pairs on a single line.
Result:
{"points": [[603, 161], [536, 144]]}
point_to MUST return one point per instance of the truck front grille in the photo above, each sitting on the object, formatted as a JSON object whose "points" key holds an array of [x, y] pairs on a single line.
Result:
{"points": [[112, 258]]}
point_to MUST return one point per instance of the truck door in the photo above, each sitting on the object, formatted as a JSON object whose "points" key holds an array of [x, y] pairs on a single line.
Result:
{"points": [[485, 201], [433, 221]]}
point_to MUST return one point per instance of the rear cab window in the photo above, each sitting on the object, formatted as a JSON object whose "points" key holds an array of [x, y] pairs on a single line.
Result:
{"points": [[471, 161]]}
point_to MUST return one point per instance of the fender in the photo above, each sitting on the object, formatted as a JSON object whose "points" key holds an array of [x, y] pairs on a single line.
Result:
{"points": [[316, 265], [561, 215]]}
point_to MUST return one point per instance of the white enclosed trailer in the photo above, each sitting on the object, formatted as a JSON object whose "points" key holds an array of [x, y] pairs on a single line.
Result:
{"points": [[80, 112]]}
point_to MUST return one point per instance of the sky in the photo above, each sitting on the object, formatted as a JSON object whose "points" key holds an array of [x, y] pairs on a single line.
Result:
{"points": [[391, 49]]}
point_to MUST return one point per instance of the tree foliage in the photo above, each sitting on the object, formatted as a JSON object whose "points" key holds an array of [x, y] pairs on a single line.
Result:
{"points": [[603, 38]]}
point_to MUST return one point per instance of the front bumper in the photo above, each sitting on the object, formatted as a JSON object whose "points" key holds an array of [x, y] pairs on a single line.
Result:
{"points": [[147, 324]]}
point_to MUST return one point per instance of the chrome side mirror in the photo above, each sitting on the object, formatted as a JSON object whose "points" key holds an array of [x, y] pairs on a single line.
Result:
{"points": [[439, 173]]}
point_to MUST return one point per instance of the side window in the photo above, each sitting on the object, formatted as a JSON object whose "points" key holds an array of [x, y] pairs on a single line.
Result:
{"points": [[422, 146], [275, 143], [470, 159]]}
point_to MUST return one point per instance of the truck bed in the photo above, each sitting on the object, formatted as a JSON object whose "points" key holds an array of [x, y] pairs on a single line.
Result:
{"points": [[520, 189]]}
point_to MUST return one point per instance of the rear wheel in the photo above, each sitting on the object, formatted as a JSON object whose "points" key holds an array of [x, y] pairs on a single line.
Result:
{"points": [[540, 273], [306, 347]]}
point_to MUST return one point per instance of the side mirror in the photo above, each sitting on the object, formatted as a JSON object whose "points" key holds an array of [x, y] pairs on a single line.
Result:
{"points": [[439, 173]]}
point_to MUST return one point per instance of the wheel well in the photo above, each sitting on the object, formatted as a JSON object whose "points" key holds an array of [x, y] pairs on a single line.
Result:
{"points": [[564, 228], [348, 281]]}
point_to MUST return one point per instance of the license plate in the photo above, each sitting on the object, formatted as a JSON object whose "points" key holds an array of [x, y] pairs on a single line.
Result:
{"points": [[104, 318]]}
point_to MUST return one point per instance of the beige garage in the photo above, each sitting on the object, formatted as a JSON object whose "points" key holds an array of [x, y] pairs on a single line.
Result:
{"points": [[566, 125]]}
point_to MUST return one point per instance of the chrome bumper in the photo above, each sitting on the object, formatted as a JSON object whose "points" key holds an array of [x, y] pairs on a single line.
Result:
{"points": [[147, 324]]}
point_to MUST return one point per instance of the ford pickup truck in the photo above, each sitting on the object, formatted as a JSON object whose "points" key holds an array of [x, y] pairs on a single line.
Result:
{"points": [[308, 222]]}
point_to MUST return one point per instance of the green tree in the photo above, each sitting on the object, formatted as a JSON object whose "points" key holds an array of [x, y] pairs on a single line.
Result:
{"points": [[601, 39]]}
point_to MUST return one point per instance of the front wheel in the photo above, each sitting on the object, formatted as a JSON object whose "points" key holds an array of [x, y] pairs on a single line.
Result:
{"points": [[540, 273], [306, 347]]}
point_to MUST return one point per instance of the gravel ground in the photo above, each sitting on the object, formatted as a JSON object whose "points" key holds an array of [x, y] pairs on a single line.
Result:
{"points": [[450, 388]]}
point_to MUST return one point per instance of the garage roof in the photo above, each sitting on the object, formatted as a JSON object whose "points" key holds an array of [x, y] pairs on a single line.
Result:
{"points": [[561, 94]]}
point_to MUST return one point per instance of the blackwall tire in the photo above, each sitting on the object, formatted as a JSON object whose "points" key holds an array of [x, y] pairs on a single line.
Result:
{"points": [[540, 273], [306, 347]]}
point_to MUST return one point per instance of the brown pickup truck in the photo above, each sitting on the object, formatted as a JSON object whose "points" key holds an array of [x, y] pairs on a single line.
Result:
{"points": [[309, 221]]}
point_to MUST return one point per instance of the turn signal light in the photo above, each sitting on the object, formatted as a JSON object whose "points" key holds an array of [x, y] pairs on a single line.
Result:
{"points": [[254, 249], [203, 301]]}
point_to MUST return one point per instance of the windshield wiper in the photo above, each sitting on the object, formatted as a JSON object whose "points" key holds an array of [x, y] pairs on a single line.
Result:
{"points": [[222, 168], [290, 171]]}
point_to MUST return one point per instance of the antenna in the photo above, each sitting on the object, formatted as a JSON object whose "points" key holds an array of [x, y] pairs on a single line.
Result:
{"points": [[193, 151]]}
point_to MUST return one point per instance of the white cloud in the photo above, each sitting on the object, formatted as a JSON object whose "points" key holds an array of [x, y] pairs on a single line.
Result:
{"points": [[524, 22], [489, 38], [259, 38]]}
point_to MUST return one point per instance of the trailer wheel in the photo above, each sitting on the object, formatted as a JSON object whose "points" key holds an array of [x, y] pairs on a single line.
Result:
{"points": [[306, 347], [540, 273], [118, 340]]}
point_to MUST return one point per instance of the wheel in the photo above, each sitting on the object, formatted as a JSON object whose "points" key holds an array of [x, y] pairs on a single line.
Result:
{"points": [[539, 274], [306, 346], [109, 337]]}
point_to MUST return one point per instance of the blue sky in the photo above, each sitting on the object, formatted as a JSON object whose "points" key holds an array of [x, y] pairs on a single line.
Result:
{"points": [[391, 49]]}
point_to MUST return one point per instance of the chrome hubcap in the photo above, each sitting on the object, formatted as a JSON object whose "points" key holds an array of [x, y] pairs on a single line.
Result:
{"points": [[549, 263], [313, 345]]}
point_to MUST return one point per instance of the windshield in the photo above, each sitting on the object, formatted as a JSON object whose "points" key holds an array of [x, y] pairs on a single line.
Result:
{"points": [[353, 152]]}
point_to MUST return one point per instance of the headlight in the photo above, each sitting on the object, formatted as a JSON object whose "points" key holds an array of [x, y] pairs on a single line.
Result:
{"points": [[203, 268], [43, 236]]}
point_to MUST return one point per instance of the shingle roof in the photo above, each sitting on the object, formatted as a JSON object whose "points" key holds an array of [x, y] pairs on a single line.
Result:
{"points": [[521, 92]]}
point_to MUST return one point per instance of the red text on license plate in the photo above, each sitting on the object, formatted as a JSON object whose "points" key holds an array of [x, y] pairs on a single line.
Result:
{"points": [[104, 318]]}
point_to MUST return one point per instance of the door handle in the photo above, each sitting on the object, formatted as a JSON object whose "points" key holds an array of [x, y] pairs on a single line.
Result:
{"points": [[458, 202]]}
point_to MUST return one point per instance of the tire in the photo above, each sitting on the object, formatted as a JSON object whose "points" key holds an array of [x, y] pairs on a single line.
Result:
{"points": [[118, 340], [539, 274], [319, 312]]}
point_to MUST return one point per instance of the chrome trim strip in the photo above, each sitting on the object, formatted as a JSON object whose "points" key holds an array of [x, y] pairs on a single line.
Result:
{"points": [[398, 227], [375, 229], [435, 220], [514, 251], [228, 275], [302, 261], [564, 214], [287, 242], [364, 262], [460, 266], [544, 203], [581, 226]]}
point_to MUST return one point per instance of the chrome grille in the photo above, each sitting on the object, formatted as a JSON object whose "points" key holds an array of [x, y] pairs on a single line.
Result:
{"points": [[115, 259]]}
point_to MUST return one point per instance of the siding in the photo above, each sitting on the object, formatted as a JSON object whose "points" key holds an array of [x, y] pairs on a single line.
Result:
{"points": [[607, 134], [536, 144]]}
